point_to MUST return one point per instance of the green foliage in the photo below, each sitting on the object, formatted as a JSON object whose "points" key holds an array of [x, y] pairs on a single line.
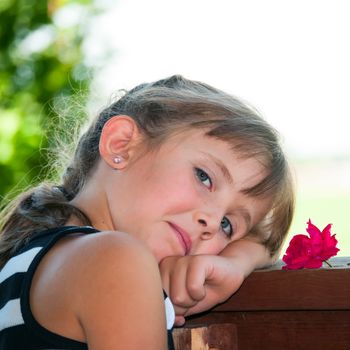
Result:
{"points": [[41, 62]]}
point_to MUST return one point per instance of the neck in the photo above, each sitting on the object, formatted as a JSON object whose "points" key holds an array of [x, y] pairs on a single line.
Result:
{"points": [[93, 202]]}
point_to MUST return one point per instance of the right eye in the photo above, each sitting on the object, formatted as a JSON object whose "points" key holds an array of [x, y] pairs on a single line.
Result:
{"points": [[204, 178], [226, 226]]}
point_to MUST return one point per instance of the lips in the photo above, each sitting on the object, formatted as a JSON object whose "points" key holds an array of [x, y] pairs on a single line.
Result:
{"points": [[183, 237]]}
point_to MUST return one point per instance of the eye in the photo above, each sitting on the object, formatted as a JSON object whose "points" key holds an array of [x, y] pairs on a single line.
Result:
{"points": [[204, 178], [226, 226]]}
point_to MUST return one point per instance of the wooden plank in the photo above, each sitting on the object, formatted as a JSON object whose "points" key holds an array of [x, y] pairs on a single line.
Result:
{"points": [[212, 337], [307, 289], [287, 330], [278, 309]]}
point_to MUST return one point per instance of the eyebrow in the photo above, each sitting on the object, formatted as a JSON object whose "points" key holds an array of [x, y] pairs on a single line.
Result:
{"points": [[225, 172]]}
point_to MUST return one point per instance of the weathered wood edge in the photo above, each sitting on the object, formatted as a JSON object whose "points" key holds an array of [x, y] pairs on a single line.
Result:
{"points": [[306, 289]]}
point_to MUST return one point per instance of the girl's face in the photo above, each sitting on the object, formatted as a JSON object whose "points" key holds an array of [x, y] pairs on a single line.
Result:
{"points": [[187, 198]]}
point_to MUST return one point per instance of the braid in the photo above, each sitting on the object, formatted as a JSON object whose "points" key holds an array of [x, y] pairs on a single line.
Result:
{"points": [[47, 205], [44, 207]]}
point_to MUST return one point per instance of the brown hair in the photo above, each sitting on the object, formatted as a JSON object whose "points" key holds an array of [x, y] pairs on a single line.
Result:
{"points": [[160, 109]]}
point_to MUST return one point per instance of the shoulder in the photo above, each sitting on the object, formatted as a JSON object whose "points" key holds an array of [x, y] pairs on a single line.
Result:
{"points": [[111, 260], [111, 247], [83, 257], [122, 294], [114, 260], [114, 288]]}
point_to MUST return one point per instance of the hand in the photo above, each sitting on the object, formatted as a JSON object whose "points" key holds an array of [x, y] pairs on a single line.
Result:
{"points": [[197, 283]]}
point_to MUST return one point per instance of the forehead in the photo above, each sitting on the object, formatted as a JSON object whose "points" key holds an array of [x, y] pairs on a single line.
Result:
{"points": [[198, 139], [222, 154]]}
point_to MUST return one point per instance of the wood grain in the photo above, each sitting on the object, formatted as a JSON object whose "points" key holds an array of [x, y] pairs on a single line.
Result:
{"points": [[279, 309]]}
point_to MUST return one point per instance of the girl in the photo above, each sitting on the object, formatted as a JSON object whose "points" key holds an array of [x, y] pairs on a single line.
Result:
{"points": [[175, 173]]}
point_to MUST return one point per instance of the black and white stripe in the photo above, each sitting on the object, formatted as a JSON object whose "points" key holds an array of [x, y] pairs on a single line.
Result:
{"points": [[12, 274], [18, 327]]}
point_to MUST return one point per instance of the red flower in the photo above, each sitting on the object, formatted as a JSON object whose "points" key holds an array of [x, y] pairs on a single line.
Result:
{"points": [[310, 252]]}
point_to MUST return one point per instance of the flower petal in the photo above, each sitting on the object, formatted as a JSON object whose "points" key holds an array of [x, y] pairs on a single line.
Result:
{"points": [[313, 263], [327, 230], [310, 252], [329, 248], [298, 252], [313, 230]]}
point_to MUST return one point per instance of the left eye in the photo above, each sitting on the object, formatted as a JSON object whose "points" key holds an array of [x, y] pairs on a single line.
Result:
{"points": [[226, 226], [204, 178]]}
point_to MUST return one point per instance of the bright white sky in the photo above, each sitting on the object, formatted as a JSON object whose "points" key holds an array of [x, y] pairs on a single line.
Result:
{"points": [[290, 59]]}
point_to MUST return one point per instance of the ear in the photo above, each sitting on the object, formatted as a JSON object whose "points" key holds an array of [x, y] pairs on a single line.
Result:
{"points": [[118, 139]]}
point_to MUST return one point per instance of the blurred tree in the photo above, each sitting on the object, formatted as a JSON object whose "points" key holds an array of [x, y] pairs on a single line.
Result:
{"points": [[41, 62]]}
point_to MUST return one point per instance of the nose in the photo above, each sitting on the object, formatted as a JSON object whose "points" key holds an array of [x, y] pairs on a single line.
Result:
{"points": [[208, 224]]}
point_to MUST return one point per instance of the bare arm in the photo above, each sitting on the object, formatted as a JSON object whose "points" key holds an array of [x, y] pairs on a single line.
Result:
{"points": [[248, 255], [121, 304], [122, 307]]}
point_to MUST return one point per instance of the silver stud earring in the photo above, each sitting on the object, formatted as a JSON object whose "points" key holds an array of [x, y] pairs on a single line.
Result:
{"points": [[118, 159]]}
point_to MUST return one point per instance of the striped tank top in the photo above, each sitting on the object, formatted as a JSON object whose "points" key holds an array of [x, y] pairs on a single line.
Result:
{"points": [[18, 327]]}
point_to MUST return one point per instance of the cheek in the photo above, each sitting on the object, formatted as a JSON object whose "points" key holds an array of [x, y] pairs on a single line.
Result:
{"points": [[212, 247], [176, 191]]}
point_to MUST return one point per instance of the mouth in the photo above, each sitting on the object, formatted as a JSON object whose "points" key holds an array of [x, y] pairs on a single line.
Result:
{"points": [[183, 237]]}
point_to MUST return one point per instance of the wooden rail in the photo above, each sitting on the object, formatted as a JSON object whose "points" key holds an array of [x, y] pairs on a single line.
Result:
{"points": [[278, 309]]}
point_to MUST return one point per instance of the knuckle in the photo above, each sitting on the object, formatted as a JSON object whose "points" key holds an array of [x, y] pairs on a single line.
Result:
{"points": [[193, 288], [178, 299]]}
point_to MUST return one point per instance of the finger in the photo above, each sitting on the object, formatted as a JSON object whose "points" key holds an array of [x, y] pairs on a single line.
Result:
{"points": [[180, 311], [178, 289], [171, 276], [195, 279], [198, 308], [205, 304], [213, 297], [182, 299], [179, 320]]}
